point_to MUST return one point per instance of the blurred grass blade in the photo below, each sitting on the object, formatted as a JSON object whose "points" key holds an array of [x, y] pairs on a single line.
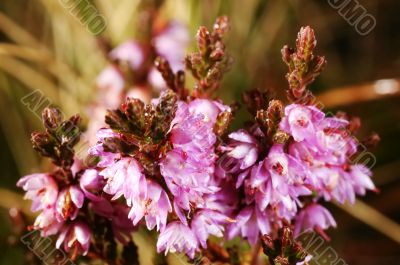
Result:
{"points": [[373, 218], [69, 79], [17, 33], [29, 77], [354, 94]]}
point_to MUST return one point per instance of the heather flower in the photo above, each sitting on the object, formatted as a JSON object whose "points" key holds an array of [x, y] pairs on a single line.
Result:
{"points": [[249, 223], [41, 189], [75, 236], [68, 203], [301, 121], [186, 178], [154, 208], [125, 177], [314, 216], [244, 148], [333, 138], [278, 181], [189, 167], [47, 223], [283, 168], [329, 172], [171, 44], [360, 176], [130, 52], [177, 237], [206, 223], [111, 85], [91, 184]]}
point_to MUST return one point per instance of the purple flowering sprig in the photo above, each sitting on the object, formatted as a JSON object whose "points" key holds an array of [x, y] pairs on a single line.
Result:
{"points": [[70, 199], [290, 159], [171, 165]]}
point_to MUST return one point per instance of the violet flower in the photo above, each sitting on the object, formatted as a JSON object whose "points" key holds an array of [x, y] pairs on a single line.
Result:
{"points": [[41, 189], [91, 184], [177, 237], [313, 217], [301, 121], [154, 208], [244, 148], [125, 177], [47, 223], [75, 236], [68, 203], [206, 223], [249, 223]]}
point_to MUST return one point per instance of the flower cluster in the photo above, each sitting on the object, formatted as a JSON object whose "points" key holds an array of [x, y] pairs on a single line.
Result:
{"points": [[160, 157], [170, 164], [65, 195], [309, 158]]}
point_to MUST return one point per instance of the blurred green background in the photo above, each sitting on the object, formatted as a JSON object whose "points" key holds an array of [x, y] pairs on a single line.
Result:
{"points": [[43, 46]]}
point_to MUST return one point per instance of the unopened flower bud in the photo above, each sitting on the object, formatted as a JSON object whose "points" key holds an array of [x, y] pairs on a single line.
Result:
{"points": [[52, 117], [203, 40], [305, 43]]}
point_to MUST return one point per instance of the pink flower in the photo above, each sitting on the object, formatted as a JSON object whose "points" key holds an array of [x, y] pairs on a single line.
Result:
{"points": [[278, 181], [69, 201], [313, 216], [360, 176], [283, 168], [301, 121], [154, 208], [47, 222], [177, 237], [188, 178], [335, 140], [188, 168], [131, 52], [249, 223], [111, 85], [91, 184], [125, 177], [206, 223], [171, 44], [244, 148], [75, 236], [41, 189]]}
